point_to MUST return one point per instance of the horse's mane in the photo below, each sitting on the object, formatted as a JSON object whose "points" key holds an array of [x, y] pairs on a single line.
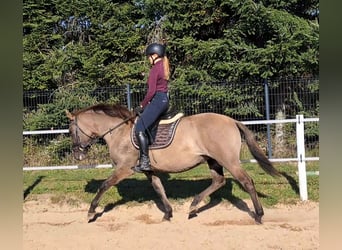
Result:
{"points": [[113, 110]]}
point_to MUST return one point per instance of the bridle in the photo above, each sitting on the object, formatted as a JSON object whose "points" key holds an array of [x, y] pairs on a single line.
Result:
{"points": [[93, 139], [78, 145]]}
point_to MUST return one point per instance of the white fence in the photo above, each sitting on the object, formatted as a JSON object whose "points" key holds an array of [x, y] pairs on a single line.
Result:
{"points": [[300, 159]]}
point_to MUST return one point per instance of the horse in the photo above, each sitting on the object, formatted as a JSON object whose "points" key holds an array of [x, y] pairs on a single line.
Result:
{"points": [[210, 138]]}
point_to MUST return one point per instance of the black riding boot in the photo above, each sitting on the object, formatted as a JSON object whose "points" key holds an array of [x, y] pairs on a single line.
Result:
{"points": [[144, 161]]}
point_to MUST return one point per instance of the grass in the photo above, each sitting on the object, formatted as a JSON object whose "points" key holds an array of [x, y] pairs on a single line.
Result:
{"points": [[75, 186]]}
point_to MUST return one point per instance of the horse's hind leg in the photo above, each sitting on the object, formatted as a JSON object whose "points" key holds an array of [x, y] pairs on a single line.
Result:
{"points": [[218, 181], [159, 188], [118, 175], [246, 181]]}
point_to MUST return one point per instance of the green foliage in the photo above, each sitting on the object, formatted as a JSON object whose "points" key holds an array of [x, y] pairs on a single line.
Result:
{"points": [[73, 48], [83, 41], [59, 148], [240, 39], [56, 150], [70, 97], [103, 42], [222, 97]]}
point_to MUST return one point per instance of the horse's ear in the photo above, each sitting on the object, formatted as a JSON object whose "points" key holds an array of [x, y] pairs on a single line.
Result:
{"points": [[69, 115]]}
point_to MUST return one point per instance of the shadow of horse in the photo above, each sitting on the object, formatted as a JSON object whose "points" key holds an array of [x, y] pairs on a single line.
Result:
{"points": [[141, 191], [291, 181], [29, 189]]}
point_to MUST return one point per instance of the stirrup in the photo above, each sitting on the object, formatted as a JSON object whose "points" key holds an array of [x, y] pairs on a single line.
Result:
{"points": [[139, 170]]}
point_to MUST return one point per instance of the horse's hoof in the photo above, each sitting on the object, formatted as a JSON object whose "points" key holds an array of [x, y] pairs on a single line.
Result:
{"points": [[193, 210], [258, 220], [192, 215], [91, 216], [167, 217]]}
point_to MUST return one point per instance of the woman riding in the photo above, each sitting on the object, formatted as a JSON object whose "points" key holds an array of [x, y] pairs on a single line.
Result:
{"points": [[155, 103]]}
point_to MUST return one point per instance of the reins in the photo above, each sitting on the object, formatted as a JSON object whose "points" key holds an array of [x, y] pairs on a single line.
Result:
{"points": [[118, 125]]}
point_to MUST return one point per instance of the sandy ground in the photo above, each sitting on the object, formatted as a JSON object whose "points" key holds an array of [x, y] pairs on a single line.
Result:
{"points": [[59, 226]]}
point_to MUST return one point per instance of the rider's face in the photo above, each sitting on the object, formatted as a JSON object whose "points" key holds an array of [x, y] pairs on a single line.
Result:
{"points": [[153, 58], [150, 59]]}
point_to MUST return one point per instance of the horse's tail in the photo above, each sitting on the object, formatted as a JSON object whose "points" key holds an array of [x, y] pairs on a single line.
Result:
{"points": [[256, 151]]}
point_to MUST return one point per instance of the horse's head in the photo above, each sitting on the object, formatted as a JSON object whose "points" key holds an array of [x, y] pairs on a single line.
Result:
{"points": [[94, 122], [81, 137]]}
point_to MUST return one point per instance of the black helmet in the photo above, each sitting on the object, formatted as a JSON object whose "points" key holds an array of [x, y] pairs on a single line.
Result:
{"points": [[155, 48]]}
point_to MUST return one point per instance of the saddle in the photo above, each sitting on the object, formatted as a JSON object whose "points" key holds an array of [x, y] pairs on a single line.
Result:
{"points": [[162, 132]]}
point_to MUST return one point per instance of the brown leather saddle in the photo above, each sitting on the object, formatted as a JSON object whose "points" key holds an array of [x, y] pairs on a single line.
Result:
{"points": [[161, 134]]}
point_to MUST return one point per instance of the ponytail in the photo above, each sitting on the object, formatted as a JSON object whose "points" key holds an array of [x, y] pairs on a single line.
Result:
{"points": [[166, 65]]}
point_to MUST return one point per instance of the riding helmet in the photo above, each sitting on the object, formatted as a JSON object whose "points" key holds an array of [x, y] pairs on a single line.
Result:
{"points": [[155, 48]]}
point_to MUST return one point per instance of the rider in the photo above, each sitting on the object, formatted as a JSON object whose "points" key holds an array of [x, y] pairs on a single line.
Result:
{"points": [[155, 103]]}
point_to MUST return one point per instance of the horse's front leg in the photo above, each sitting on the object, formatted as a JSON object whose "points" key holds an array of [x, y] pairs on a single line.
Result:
{"points": [[118, 175], [159, 188]]}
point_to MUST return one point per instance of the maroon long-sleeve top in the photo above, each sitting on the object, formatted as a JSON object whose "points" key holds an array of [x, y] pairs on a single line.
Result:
{"points": [[155, 82]]}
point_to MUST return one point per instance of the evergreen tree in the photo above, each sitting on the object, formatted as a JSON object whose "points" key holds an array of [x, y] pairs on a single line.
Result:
{"points": [[101, 43], [230, 40]]}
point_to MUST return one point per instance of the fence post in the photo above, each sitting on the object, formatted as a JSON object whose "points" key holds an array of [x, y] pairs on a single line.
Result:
{"points": [[301, 157], [267, 104], [129, 101]]}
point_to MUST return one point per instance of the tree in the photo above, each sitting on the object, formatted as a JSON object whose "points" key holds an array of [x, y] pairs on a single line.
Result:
{"points": [[101, 43], [230, 40], [95, 42]]}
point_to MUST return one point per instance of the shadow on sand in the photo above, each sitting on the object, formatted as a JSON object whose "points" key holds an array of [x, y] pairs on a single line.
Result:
{"points": [[142, 190]]}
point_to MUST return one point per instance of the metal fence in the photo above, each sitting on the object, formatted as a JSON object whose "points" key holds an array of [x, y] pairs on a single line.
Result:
{"points": [[249, 101], [257, 100]]}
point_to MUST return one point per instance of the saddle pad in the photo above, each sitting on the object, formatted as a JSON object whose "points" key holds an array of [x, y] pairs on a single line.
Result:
{"points": [[163, 138]]}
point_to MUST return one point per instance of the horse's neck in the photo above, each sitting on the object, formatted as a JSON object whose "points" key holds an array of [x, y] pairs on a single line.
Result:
{"points": [[101, 123], [115, 131]]}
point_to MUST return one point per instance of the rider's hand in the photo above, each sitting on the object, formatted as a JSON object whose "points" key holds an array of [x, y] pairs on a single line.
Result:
{"points": [[138, 110]]}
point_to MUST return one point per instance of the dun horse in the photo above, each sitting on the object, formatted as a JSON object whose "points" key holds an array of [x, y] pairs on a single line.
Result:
{"points": [[206, 137]]}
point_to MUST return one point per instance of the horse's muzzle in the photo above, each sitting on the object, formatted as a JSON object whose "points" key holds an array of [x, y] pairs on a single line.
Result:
{"points": [[80, 153]]}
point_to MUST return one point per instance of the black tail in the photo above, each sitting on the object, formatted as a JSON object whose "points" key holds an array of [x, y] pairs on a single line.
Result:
{"points": [[256, 151]]}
